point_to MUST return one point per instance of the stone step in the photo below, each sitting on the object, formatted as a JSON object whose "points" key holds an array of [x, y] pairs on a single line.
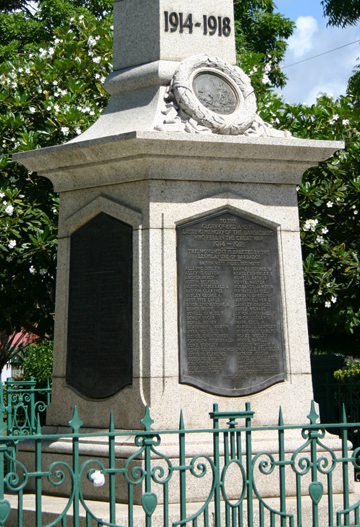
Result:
{"points": [[53, 506]]}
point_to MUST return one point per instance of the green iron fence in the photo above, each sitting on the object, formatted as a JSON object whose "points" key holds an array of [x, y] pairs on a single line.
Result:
{"points": [[21, 402], [233, 474]]}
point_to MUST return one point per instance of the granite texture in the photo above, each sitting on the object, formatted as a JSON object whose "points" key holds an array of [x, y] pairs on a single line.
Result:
{"points": [[154, 208], [154, 181], [176, 156], [145, 40]]}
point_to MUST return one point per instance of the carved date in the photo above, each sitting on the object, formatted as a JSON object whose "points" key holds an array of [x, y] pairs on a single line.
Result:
{"points": [[211, 25]]}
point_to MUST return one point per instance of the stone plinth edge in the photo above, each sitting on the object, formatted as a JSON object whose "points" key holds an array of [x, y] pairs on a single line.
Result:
{"points": [[178, 156]]}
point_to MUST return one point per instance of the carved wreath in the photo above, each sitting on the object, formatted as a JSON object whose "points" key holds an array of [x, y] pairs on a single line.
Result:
{"points": [[244, 112]]}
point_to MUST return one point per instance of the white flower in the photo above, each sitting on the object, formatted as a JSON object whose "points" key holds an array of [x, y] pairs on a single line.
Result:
{"points": [[320, 240], [27, 70], [32, 109], [57, 41], [329, 204], [9, 210], [334, 118], [65, 130], [102, 80], [320, 292], [63, 92], [2, 194], [51, 51], [42, 53], [327, 304], [12, 244], [91, 41], [56, 107], [328, 284], [97, 76], [324, 230], [43, 271], [78, 130], [112, 28], [91, 112], [333, 299], [345, 122], [96, 60], [310, 225], [20, 70], [55, 83], [32, 270], [81, 17], [48, 108], [356, 212]]}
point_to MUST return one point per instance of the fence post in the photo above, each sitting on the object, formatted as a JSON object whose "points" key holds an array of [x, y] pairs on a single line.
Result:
{"points": [[9, 393]]}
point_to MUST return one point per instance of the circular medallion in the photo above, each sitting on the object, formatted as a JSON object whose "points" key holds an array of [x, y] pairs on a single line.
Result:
{"points": [[215, 94]]}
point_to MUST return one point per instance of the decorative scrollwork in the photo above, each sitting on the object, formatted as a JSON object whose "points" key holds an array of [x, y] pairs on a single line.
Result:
{"points": [[12, 478], [56, 470], [158, 473], [242, 492], [266, 466]]}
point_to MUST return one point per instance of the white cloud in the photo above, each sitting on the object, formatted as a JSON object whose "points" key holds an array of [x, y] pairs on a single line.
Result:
{"points": [[301, 41], [328, 73]]}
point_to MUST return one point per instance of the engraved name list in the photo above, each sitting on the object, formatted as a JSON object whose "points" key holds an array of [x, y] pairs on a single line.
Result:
{"points": [[230, 319]]}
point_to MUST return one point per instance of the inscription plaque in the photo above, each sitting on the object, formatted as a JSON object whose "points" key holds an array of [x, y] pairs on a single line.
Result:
{"points": [[230, 313], [99, 345]]}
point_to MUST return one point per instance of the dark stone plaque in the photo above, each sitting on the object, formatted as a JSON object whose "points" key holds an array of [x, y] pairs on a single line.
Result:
{"points": [[230, 314], [99, 347], [215, 93]]}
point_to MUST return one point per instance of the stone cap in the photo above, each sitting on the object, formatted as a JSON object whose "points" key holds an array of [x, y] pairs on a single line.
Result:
{"points": [[178, 156]]}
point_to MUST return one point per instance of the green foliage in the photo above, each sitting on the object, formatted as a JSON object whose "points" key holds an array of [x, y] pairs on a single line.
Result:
{"points": [[341, 12], [261, 40], [351, 373], [329, 202], [36, 361], [48, 95]]}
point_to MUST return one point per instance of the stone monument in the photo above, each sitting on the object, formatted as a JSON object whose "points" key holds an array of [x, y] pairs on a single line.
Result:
{"points": [[179, 280]]}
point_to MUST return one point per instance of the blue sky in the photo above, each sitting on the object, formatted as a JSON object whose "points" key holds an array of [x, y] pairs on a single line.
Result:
{"points": [[328, 73]]}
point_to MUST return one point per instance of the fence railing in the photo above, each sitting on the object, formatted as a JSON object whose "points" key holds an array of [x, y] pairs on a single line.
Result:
{"points": [[233, 474], [21, 402]]}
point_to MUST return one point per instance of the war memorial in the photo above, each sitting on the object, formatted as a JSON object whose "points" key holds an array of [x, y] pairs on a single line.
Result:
{"points": [[179, 279]]}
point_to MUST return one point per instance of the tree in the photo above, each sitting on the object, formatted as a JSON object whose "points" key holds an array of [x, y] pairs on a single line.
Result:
{"points": [[50, 91], [341, 12], [261, 39]]}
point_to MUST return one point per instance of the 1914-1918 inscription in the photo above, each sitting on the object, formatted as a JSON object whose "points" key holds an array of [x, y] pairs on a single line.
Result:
{"points": [[99, 348], [230, 314]]}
